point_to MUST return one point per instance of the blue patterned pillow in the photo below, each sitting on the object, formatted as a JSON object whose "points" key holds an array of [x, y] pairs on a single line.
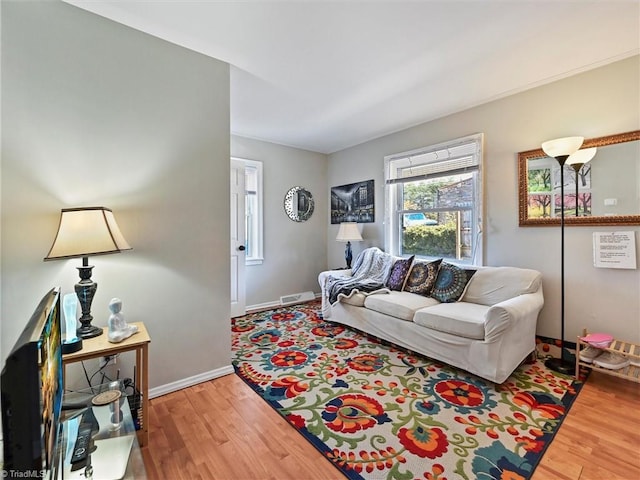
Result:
{"points": [[422, 277], [451, 283], [399, 273]]}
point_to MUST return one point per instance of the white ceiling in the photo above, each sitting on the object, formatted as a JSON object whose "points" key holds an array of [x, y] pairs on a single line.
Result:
{"points": [[324, 76]]}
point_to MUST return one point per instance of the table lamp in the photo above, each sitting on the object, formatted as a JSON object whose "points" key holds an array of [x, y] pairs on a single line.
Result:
{"points": [[83, 232], [348, 232]]}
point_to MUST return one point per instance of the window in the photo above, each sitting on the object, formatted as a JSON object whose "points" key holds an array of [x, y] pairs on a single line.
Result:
{"points": [[253, 212], [433, 199]]}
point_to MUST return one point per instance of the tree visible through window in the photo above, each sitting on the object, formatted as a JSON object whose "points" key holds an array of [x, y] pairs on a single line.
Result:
{"points": [[434, 201]]}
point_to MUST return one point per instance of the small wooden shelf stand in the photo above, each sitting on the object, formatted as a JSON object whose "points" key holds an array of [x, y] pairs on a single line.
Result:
{"points": [[139, 342], [627, 349]]}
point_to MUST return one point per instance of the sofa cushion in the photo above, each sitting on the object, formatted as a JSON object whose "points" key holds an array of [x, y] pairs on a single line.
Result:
{"points": [[461, 319], [491, 285], [422, 277], [402, 305], [451, 282], [399, 272]]}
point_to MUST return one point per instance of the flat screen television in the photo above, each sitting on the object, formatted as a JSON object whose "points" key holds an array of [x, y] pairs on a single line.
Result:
{"points": [[31, 394]]}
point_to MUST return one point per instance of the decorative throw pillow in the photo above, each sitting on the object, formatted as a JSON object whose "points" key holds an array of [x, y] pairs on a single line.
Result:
{"points": [[451, 283], [422, 277], [399, 273]]}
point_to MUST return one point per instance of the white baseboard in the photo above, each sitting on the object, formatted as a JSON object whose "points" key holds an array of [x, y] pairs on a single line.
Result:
{"points": [[213, 374], [190, 381]]}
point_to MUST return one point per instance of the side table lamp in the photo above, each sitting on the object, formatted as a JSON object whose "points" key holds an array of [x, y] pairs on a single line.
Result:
{"points": [[83, 232], [348, 232]]}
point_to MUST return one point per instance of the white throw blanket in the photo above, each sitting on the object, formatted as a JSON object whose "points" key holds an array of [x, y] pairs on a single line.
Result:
{"points": [[369, 275]]}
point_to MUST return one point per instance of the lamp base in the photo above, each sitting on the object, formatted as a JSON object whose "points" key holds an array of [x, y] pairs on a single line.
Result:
{"points": [[88, 331], [560, 365], [348, 256], [71, 346], [85, 290]]}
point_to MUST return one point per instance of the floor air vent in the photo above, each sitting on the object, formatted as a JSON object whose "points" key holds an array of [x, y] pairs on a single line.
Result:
{"points": [[297, 298]]}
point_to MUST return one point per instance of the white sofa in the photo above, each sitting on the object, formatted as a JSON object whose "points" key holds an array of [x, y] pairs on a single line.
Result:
{"points": [[488, 332]]}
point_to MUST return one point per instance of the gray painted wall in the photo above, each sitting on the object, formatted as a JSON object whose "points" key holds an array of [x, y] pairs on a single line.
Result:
{"points": [[95, 113], [600, 102], [294, 252]]}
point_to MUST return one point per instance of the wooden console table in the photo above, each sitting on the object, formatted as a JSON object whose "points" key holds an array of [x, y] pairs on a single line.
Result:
{"points": [[101, 347]]}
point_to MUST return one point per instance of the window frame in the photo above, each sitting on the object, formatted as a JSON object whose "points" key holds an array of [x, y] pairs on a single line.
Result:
{"points": [[394, 208], [254, 246]]}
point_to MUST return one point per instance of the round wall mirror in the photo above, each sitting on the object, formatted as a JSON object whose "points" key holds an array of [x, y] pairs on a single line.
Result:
{"points": [[298, 203]]}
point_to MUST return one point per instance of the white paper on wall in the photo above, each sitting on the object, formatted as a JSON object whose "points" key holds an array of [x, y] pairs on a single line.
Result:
{"points": [[614, 250]]}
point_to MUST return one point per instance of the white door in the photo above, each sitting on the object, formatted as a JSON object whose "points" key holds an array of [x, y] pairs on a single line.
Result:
{"points": [[238, 297]]}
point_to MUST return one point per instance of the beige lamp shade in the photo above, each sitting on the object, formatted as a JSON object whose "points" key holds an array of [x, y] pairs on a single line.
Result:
{"points": [[562, 147], [86, 232], [349, 232], [581, 156]]}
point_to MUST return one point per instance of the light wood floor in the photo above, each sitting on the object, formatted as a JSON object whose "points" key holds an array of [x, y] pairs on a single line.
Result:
{"points": [[222, 430], [600, 438]]}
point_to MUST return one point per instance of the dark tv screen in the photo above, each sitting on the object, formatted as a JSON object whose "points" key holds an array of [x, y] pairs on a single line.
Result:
{"points": [[31, 393]]}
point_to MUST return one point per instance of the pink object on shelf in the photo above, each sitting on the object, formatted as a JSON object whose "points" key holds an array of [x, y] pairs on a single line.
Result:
{"points": [[599, 340]]}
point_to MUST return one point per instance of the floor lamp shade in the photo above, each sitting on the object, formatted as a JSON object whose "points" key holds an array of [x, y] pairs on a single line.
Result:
{"points": [[83, 232], [348, 232], [561, 149], [582, 156]]}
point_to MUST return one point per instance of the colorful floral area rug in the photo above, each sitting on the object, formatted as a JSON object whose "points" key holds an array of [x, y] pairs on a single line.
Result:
{"points": [[379, 412]]}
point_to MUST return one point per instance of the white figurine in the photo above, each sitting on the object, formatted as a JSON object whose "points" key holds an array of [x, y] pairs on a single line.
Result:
{"points": [[118, 327]]}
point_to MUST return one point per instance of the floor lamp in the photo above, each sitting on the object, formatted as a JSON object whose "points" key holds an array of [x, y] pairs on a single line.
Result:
{"points": [[577, 161], [561, 149]]}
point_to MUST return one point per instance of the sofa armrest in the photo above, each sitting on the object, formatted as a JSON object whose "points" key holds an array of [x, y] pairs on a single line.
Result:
{"points": [[322, 276], [518, 312], [324, 295]]}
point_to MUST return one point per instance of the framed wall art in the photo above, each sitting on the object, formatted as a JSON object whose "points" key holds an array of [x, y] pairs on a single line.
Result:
{"points": [[353, 203]]}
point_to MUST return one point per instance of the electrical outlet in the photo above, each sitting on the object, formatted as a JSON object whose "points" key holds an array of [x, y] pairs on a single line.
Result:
{"points": [[108, 360]]}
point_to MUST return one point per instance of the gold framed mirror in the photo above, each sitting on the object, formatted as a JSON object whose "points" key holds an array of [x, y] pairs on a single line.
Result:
{"points": [[605, 191]]}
